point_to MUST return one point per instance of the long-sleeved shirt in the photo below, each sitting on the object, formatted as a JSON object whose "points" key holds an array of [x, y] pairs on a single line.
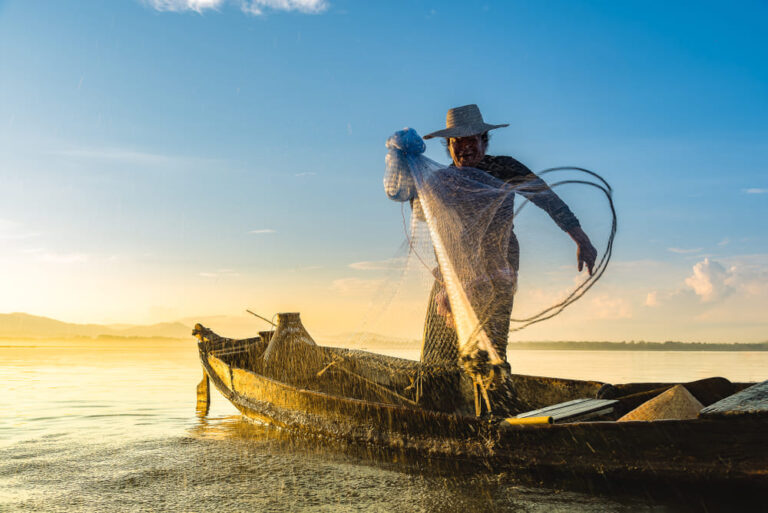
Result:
{"points": [[399, 186], [531, 187]]}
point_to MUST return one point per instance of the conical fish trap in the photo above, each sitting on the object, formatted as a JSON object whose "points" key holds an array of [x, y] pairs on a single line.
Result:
{"points": [[292, 354], [677, 403]]}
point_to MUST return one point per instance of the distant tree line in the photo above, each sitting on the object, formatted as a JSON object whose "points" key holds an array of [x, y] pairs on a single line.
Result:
{"points": [[640, 345]]}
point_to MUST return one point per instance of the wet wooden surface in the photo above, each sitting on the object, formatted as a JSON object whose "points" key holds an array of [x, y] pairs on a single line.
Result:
{"points": [[581, 409], [752, 401], [695, 451]]}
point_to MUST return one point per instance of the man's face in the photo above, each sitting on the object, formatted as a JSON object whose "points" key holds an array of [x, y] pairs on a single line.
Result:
{"points": [[467, 151]]}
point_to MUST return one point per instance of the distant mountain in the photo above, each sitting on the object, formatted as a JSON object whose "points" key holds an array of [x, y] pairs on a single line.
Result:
{"points": [[163, 329], [366, 340], [22, 325]]}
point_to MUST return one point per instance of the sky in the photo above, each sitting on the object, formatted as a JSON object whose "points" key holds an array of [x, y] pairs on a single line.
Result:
{"points": [[182, 159]]}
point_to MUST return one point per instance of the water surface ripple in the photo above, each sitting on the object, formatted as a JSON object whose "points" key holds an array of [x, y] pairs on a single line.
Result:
{"points": [[113, 428]]}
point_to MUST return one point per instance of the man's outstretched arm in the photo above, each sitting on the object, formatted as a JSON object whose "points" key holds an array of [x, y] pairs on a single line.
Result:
{"points": [[539, 193], [536, 190]]}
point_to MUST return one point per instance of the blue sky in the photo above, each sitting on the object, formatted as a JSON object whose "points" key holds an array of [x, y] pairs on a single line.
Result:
{"points": [[165, 159]]}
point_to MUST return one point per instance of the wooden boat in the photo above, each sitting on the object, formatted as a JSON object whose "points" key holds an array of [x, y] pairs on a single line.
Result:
{"points": [[282, 378]]}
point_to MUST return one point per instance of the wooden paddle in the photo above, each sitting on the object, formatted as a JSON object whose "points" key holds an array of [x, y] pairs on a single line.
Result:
{"points": [[203, 396]]}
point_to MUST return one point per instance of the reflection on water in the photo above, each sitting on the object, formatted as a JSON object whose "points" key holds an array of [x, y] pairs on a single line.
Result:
{"points": [[99, 427], [634, 366]]}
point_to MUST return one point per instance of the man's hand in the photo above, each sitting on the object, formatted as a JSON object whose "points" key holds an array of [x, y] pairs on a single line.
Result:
{"points": [[444, 306], [585, 251]]}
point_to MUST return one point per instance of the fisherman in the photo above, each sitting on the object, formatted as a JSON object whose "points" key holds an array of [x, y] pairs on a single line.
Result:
{"points": [[466, 139]]}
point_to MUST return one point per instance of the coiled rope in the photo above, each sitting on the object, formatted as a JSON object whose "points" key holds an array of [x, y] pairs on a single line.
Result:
{"points": [[598, 271]]}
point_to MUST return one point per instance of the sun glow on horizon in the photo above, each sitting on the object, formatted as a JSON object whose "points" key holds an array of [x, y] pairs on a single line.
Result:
{"points": [[203, 157]]}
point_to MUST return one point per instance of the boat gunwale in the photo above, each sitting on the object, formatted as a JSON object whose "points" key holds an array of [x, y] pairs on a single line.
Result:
{"points": [[232, 393], [519, 448], [204, 354]]}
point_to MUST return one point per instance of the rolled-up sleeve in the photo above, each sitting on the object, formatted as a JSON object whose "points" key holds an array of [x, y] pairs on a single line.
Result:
{"points": [[533, 188], [539, 193]]}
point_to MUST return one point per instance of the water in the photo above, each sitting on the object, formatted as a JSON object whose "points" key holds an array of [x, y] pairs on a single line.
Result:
{"points": [[634, 366], [105, 426]]}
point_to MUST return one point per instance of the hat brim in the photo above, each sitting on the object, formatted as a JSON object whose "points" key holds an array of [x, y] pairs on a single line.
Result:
{"points": [[464, 131]]}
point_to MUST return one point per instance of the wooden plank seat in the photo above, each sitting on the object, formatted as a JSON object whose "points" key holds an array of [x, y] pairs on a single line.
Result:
{"points": [[750, 401], [575, 410]]}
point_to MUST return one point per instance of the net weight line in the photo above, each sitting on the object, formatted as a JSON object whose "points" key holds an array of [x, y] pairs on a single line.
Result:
{"points": [[602, 265], [599, 269]]}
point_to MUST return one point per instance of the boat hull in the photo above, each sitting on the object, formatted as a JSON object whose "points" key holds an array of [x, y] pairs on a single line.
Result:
{"points": [[699, 452]]}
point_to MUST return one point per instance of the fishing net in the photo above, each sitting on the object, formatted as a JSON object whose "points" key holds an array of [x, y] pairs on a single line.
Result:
{"points": [[461, 233], [455, 276]]}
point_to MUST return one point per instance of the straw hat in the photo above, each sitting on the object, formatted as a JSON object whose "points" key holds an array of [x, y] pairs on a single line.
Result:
{"points": [[463, 122]]}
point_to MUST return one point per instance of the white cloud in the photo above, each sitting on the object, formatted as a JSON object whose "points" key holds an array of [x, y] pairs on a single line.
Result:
{"points": [[130, 156], [253, 7], [11, 230], [306, 173], [377, 265], [257, 7], [610, 307], [184, 5], [709, 280], [220, 273], [63, 258], [308, 268], [630, 265], [756, 190], [742, 279], [116, 154], [355, 286], [749, 276], [262, 231], [684, 251]]}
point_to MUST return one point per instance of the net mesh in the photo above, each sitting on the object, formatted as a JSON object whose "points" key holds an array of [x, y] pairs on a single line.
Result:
{"points": [[457, 274], [461, 236]]}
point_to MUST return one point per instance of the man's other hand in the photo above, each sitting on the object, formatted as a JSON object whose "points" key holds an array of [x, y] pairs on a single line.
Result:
{"points": [[585, 251], [444, 306]]}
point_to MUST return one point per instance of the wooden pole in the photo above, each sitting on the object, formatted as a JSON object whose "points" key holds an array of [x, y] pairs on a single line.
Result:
{"points": [[203, 396], [262, 318]]}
